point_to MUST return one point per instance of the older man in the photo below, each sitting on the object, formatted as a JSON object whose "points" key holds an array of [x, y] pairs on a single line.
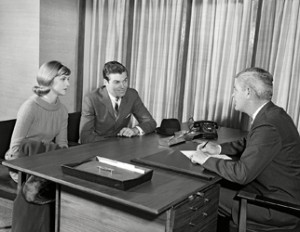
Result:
{"points": [[267, 160]]}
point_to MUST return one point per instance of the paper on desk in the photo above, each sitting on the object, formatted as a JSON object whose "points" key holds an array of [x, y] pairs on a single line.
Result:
{"points": [[119, 164], [188, 154]]}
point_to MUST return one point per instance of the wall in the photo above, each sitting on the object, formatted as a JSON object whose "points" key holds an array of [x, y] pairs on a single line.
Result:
{"points": [[59, 39], [19, 52], [32, 32]]}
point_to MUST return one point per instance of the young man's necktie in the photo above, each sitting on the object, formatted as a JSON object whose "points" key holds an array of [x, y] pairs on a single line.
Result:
{"points": [[117, 106]]}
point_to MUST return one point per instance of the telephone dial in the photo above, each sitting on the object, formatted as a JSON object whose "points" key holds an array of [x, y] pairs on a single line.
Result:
{"points": [[203, 129]]}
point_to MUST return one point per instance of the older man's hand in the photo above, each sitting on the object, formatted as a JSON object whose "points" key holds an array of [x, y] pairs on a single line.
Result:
{"points": [[199, 157], [210, 148]]}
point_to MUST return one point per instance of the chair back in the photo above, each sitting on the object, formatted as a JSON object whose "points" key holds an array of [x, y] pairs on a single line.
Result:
{"points": [[73, 127], [6, 130], [8, 188], [269, 203]]}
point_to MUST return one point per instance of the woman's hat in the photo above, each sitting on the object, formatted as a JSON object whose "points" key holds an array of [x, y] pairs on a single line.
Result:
{"points": [[168, 126]]}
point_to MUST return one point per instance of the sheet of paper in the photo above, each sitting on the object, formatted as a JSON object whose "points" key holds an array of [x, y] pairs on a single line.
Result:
{"points": [[119, 164], [222, 156], [188, 154]]}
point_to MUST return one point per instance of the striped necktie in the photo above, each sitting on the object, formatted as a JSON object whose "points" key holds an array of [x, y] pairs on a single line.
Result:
{"points": [[117, 106]]}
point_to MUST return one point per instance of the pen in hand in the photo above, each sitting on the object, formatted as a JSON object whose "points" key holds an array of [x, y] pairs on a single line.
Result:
{"points": [[205, 144]]}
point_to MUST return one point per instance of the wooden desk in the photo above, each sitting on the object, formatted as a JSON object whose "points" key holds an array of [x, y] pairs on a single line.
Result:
{"points": [[169, 202]]}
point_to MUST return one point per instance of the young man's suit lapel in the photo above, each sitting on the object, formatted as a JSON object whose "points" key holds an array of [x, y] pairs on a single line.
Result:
{"points": [[107, 102], [109, 106]]}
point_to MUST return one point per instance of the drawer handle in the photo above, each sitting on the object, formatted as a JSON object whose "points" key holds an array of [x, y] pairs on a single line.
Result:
{"points": [[200, 194], [192, 224], [191, 198], [193, 208], [206, 200]]}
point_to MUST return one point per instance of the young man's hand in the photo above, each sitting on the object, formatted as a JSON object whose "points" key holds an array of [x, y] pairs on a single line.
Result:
{"points": [[128, 132]]}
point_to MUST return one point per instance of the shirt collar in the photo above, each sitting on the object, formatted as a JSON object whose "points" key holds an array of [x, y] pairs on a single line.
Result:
{"points": [[257, 111], [112, 98]]}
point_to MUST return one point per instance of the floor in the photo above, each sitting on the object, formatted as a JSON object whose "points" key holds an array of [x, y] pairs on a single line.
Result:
{"points": [[223, 224], [5, 215]]}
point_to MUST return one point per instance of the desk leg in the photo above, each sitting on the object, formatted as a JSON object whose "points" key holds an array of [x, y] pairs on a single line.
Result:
{"points": [[243, 216], [57, 208], [170, 220], [21, 179]]}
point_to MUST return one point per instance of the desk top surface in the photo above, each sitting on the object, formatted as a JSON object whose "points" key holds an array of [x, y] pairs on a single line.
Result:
{"points": [[164, 190]]}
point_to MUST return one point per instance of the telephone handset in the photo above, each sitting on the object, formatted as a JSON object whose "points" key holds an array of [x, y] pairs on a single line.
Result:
{"points": [[205, 126], [204, 129]]}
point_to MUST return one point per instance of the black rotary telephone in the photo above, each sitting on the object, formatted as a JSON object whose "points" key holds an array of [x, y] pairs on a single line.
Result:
{"points": [[203, 129]]}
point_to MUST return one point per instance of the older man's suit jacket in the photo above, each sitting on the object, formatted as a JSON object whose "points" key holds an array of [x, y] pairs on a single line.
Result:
{"points": [[269, 158], [98, 117]]}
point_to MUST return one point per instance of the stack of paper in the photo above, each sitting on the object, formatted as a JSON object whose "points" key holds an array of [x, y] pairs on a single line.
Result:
{"points": [[188, 154]]}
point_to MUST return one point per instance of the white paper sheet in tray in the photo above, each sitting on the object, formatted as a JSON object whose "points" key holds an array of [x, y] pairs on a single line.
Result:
{"points": [[109, 172]]}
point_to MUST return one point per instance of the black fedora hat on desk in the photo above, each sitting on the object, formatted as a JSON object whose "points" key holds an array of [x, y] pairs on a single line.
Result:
{"points": [[168, 126]]}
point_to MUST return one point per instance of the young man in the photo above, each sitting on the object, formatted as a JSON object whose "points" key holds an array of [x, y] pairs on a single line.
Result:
{"points": [[268, 159], [107, 110]]}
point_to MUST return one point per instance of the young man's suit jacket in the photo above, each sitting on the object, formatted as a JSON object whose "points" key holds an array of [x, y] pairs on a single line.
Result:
{"points": [[98, 118], [269, 162]]}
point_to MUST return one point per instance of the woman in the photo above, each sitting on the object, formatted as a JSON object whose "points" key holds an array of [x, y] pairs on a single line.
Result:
{"points": [[41, 120]]}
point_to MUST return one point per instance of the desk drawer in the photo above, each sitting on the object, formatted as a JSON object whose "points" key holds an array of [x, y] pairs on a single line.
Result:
{"points": [[198, 211]]}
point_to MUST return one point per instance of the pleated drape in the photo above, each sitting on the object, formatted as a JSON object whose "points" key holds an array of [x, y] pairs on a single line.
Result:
{"points": [[182, 55]]}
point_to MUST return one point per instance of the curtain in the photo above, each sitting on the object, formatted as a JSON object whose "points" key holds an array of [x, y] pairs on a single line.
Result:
{"points": [[105, 38], [220, 45], [148, 38], [182, 55], [157, 54], [278, 51]]}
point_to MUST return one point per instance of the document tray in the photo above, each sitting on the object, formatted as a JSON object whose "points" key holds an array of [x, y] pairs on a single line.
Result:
{"points": [[109, 172]]}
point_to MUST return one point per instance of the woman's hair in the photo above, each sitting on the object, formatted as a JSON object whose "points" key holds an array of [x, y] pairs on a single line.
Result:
{"points": [[46, 74]]}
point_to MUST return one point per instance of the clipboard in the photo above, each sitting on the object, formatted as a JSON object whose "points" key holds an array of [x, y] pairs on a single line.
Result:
{"points": [[174, 160]]}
